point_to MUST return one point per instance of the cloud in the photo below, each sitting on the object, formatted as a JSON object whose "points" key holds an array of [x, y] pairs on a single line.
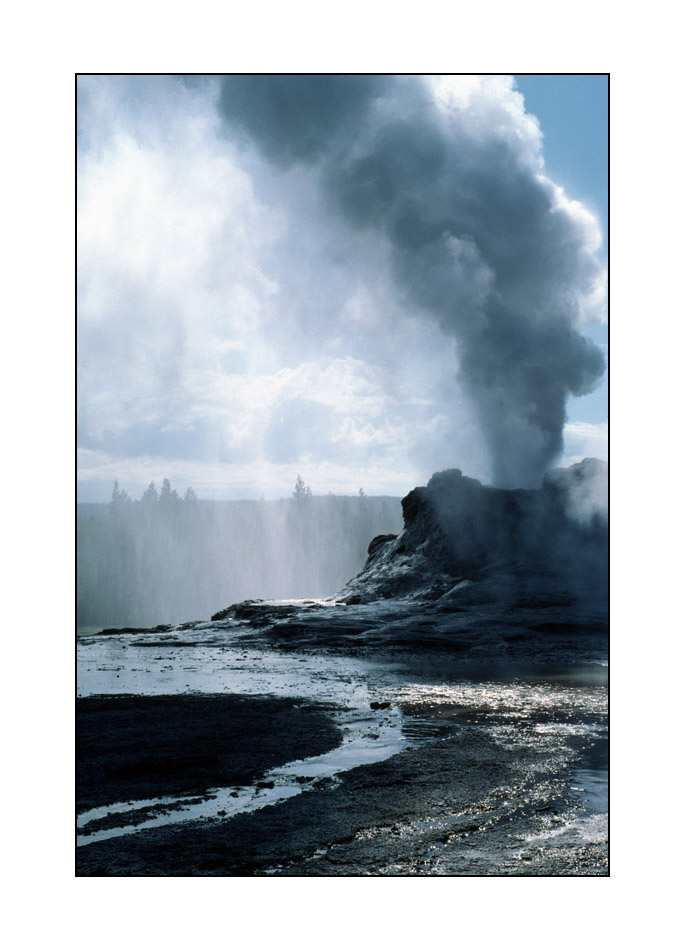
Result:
{"points": [[585, 440], [223, 480]]}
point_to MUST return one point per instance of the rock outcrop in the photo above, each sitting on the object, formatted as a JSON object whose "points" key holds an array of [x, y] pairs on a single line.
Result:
{"points": [[458, 532]]}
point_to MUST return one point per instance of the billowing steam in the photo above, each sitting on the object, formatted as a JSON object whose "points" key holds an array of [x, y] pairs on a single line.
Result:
{"points": [[448, 174]]}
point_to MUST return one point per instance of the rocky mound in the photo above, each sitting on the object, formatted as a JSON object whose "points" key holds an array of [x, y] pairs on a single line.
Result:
{"points": [[458, 532]]}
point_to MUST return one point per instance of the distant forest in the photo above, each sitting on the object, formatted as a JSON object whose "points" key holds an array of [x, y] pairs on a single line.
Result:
{"points": [[166, 558]]}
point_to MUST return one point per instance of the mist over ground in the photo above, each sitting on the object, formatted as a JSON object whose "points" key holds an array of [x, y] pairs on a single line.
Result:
{"points": [[170, 559]]}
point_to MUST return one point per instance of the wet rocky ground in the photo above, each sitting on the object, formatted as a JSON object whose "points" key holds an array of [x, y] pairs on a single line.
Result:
{"points": [[471, 803], [488, 777]]}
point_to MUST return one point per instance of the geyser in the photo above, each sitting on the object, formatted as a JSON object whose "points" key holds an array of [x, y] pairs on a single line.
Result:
{"points": [[448, 174]]}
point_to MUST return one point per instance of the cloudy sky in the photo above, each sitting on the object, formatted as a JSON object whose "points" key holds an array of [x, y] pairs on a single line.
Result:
{"points": [[359, 279]]}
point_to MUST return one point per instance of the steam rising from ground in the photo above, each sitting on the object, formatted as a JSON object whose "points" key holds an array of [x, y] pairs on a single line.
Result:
{"points": [[167, 559], [449, 175]]}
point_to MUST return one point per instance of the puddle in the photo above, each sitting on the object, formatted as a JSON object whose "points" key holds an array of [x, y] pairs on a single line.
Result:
{"points": [[359, 747]]}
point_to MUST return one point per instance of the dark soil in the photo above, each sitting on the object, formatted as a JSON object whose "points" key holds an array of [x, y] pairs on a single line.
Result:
{"points": [[139, 747]]}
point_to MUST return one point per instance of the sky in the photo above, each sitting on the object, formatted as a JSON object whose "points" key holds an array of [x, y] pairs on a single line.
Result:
{"points": [[362, 280], [573, 114]]}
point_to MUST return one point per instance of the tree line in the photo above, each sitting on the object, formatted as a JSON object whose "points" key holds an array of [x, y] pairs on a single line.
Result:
{"points": [[166, 558]]}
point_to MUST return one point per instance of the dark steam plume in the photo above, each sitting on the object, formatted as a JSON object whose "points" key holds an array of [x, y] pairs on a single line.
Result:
{"points": [[479, 238]]}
